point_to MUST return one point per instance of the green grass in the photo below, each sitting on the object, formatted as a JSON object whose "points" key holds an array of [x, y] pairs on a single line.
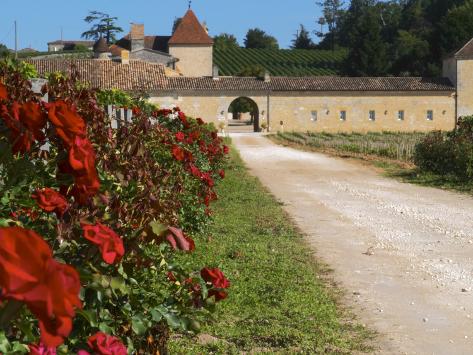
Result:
{"points": [[281, 299], [280, 62], [390, 145]]}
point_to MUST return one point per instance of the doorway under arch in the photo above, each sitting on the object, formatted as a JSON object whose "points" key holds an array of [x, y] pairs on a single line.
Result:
{"points": [[245, 115]]}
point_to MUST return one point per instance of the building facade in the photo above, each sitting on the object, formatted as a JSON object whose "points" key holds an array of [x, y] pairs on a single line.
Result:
{"points": [[177, 70]]}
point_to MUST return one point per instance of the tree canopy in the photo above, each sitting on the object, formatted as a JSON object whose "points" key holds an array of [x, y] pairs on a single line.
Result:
{"points": [[302, 39], [397, 37], [103, 25], [257, 38], [225, 41]]}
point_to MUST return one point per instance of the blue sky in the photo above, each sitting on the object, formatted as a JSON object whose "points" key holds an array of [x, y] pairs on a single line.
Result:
{"points": [[41, 21]]}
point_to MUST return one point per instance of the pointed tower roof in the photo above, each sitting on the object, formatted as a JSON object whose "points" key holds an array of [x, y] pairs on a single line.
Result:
{"points": [[466, 52], [190, 31]]}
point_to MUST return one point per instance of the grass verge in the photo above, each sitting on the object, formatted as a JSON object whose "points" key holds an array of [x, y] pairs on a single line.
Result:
{"points": [[402, 170], [281, 300]]}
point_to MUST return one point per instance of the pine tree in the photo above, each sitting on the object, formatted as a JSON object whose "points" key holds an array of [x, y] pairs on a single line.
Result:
{"points": [[302, 39], [103, 26]]}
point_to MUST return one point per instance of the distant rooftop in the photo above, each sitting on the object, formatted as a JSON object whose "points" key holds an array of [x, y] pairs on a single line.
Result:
{"points": [[190, 31]]}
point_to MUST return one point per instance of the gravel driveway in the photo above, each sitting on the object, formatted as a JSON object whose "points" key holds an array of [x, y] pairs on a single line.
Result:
{"points": [[404, 253]]}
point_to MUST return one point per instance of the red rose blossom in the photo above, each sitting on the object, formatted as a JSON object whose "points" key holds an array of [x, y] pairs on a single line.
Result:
{"points": [[178, 153], [67, 121], [178, 240], [226, 150], [41, 349], [104, 344], [222, 174], [180, 136], [29, 274], [50, 200], [3, 92], [215, 277], [109, 243]]}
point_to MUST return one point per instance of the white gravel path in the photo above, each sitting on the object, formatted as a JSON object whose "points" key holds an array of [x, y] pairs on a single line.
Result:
{"points": [[403, 252]]}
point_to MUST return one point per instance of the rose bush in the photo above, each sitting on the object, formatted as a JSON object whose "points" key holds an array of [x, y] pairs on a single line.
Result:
{"points": [[92, 221]]}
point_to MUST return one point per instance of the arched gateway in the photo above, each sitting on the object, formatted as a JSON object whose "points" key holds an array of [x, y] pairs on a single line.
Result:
{"points": [[244, 115]]}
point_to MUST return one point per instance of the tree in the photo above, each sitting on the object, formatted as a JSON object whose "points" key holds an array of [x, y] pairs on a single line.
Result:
{"points": [[175, 25], [103, 25], [456, 28], [332, 11], [254, 70], [367, 51], [302, 39], [225, 41], [257, 38], [4, 51]]}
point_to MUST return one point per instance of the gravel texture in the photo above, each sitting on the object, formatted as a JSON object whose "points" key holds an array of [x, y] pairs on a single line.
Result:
{"points": [[403, 252]]}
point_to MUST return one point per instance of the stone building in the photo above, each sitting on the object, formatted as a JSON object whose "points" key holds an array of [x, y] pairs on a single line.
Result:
{"points": [[324, 103], [60, 45]]}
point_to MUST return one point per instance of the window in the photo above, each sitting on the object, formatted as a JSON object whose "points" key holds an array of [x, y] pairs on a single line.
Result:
{"points": [[343, 115], [313, 116], [430, 115], [372, 115], [400, 115]]}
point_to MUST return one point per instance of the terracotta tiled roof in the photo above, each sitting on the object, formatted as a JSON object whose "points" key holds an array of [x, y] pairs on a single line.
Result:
{"points": [[144, 76], [466, 52], [327, 83], [190, 31], [101, 46], [107, 74]]}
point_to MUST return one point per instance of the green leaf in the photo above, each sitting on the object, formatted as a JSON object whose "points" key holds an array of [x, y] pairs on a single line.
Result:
{"points": [[173, 320], [157, 316], [138, 325], [158, 228], [89, 316]]}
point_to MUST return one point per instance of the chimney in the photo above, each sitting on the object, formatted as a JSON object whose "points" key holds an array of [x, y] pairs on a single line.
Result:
{"points": [[137, 36], [267, 77], [125, 57], [215, 73]]}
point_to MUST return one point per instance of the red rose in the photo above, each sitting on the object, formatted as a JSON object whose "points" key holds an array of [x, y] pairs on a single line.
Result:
{"points": [[31, 115], [200, 121], [222, 174], [103, 344], [29, 274], [178, 240], [109, 243], [218, 294], [67, 121], [3, 92], [226, 150], [41, 349], [178, 153], [136, 111], [81, 165], [195, 171], [215, 277], [50, 200], [180, 136], [208, 179]]}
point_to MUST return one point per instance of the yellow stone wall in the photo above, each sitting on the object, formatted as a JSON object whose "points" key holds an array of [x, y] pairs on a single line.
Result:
{"points": [[194, 60], [295, 110], [465, 87]]}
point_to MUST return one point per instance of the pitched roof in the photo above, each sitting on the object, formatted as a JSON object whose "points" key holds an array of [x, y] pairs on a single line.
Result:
{"points": [[190, 31], [107, 74], [150, 77], [466, 52], [312, 84], [101, 46], [156, 43]]}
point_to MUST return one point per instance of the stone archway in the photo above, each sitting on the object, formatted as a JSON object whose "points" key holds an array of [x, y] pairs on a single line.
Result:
{"points": [[245, 114]]}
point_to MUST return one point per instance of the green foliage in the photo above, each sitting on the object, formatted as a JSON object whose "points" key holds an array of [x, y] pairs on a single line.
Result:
{"points": [[283, 62], [103, 25], [332, 12], [279, 302], [448, 153], [258, 39], [391, 145], [26, 70], [368, 52], [4, 51], [456, 27], [302, 39], [256, 71], [225, 41]]}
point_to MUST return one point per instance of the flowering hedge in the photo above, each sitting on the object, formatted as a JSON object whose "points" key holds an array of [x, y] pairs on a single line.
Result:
{"points": [[92, 219]]}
